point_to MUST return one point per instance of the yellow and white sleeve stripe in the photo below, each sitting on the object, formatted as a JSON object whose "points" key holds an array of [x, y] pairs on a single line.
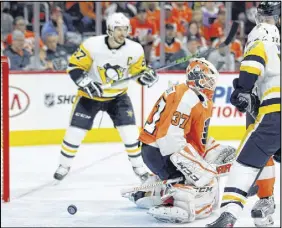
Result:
{"points": [[254, 60]]}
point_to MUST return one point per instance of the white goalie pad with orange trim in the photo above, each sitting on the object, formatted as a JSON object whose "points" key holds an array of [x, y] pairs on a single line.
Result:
{"points": [[196, 170], [188, 204], [218, 154]]}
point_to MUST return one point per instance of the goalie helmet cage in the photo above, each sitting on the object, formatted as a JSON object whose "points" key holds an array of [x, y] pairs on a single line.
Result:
{"points": [[5, 161]]}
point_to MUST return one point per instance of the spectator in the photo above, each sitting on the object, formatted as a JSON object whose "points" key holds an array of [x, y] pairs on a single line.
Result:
{"points": [[217, 28], [56, 53], [127, 9], [19, 57], [6, 22], [170, 19], [191, 48], [20, 24], [182, 12], [143, 30], [193, 44], [194, 30], [153, 12], [209, 15], [55, 25], [198, 18], [236, 48], [88, 16], [172, 46], [222, 59]]}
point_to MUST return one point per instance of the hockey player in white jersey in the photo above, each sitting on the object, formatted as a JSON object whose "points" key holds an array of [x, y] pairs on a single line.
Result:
{"points": [[259, 74], [100, 60]]}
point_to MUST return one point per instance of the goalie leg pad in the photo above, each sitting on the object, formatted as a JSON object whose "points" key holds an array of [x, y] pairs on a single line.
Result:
{"points": [[183, 209], [193, 166]]}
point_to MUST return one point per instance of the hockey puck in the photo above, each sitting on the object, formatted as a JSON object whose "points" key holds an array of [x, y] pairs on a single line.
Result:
{"points": [[72, 209]]}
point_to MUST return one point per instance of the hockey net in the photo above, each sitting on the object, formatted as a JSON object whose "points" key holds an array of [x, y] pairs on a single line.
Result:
{"points": [[5, 175]]}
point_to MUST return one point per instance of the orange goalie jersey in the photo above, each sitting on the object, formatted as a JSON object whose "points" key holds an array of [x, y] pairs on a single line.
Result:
{"points": [[179, 116]]}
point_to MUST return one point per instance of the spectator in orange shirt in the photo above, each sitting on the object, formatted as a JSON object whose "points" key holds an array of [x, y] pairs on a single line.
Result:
{"points": [[170, 19], [182, 12], [153, 12], [217, 28], [29, 42], [143, 30], [172, 46]]}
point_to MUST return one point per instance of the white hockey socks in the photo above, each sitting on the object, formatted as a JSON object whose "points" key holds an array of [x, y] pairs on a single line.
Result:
{"points": [[70, 145]]}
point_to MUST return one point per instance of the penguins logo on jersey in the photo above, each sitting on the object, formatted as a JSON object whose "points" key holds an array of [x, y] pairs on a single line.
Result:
{"points": [[113, 72]]}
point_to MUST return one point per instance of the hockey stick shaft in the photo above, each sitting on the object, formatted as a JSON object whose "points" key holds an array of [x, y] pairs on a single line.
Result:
{"points": [[227, 41], [222, 170]]}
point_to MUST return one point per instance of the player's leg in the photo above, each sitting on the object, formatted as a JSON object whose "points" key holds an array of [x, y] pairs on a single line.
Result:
{"points": [[265, 206], [82, 116], [265, 184], [261, 141], [122, 115], [160, 165]]}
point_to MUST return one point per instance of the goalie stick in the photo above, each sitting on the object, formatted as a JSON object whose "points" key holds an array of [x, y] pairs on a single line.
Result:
{"points": [[227, 41], [221, 171]]}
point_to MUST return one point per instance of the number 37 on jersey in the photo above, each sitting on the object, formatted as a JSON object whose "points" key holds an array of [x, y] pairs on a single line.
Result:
{"points": [[178, 113]]}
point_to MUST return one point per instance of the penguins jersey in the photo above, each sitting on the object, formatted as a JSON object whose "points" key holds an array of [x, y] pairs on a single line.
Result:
{"points": [[106, 65], [262, 61], [178, 117]]}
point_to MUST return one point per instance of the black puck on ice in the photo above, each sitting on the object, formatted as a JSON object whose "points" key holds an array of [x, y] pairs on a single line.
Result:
{"points": [[72, 209]]}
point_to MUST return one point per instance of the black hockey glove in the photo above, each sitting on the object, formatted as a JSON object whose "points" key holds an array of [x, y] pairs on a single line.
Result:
{"points": [[244, 100], [88, 85], [149, 77]]}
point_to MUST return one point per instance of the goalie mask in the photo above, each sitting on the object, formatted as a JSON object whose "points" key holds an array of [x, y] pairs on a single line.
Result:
{"points": [[201, 75]]}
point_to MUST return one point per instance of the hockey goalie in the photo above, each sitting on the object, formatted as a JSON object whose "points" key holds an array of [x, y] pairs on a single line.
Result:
{"points": [[175, 144]]}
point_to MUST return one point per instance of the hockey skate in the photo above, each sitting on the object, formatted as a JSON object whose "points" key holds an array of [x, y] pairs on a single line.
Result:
{"points": [[61, 172], [141, 173], [226, 219], [262, 212], [139, 168]]}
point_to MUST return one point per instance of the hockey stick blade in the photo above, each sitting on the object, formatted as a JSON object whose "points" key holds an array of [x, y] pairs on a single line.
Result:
{"points": [[231, 34]]}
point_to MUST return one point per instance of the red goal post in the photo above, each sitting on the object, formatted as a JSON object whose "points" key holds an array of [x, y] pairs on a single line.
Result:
{"points": [[5, 161]]}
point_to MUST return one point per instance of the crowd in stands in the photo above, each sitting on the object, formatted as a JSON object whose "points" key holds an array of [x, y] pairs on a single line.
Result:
{"points": [[190, 27]]}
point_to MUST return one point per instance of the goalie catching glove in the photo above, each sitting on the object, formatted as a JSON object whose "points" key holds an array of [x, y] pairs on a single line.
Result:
{"points": [[148, 77], [92, 88]]}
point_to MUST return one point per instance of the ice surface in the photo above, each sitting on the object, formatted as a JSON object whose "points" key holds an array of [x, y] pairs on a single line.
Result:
{"points": [[93, 185]]}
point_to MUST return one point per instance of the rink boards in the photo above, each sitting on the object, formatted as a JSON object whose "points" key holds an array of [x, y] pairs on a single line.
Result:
{"points": [[41, 103]]}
